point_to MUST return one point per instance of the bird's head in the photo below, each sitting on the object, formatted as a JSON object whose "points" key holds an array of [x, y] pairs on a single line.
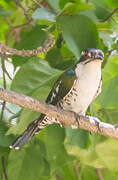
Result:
{"points": [[91, 54]]}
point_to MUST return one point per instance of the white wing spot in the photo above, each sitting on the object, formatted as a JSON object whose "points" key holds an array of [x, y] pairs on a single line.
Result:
{"points": [[57, 88], [53, 96]]}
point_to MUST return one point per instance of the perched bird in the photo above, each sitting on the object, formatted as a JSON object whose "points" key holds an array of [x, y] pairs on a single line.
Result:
{"points": [[74, 90]]}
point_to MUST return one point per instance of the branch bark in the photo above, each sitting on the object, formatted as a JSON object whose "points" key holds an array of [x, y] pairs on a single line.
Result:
{"points": [[45, 48], [66, 118]]}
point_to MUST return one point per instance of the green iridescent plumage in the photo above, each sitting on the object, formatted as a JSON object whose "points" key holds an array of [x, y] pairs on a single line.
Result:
{"points": [[63, 86]]}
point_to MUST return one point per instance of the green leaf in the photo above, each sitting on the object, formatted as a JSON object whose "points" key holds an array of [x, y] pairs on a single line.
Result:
{"points": [[109, 88], [88, 171], [33, 74], [77, 137], [44, 14], [62, 3], [30, 39], [104, 155], [4, 139], [37, 86], [109, 156], [78, 35], [88, 157], [56, 60], [54, 4], [4, 12], [101, 9], [110, 85], [53, 137], [112, 4], [72, 8], [28, 163]]}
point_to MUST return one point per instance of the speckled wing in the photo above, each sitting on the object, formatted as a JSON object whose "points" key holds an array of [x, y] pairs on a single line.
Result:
{"points": [[62, 86], [60, 89]]}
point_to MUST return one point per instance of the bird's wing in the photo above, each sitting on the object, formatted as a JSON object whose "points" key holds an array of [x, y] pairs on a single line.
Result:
{"points": [[61, 87], [99, 89]]}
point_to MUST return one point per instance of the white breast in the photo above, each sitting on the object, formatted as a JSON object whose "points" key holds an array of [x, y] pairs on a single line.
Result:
{"points": [[86, 85]]}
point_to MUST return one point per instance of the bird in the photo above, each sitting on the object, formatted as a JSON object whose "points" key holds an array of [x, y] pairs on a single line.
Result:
{"points": [[74, 90]]}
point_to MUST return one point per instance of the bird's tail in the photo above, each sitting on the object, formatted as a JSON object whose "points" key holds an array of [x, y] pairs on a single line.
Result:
{"points": [[26, 135]]}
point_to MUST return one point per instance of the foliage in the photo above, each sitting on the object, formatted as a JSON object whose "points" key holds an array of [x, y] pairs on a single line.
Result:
{"points": [[55, 152]]}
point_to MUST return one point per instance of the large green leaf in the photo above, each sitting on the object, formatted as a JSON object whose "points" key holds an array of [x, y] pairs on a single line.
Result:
{"points": [[104, 155], [44, 14], [110, 85], [88, 171], [54, 4], [56, 60], [30, 39], [38, 78], [75, 7], [33, 74], [53, 136], [28, 163], [101, 9], [77, 137], [4, 12], [112, 4], [78, 35]]}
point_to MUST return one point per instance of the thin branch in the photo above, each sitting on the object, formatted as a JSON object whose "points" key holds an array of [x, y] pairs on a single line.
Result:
{"points": [[58, 177], [3, 168], [3, 69], [38, 3], [26, 13], [66, 118], [4, 84], [99, 173], [45, 48], [45, 3], [110, 15], [14, 30], [76, 167]]}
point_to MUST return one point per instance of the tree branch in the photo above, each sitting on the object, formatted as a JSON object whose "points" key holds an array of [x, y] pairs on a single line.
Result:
{"points": [[4, 168], [4, 84], [110, 15], [45, 48], [66, 118], [76, 168], [99, 173]]}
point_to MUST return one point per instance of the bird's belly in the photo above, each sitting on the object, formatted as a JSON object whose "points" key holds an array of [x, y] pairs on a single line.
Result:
{"points": [[81, 95]]}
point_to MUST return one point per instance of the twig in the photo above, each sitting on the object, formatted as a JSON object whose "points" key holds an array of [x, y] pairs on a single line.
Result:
{"points": [[87, 1], [4, 83], [76, 166], [15, 29], [3, 168], [45, 48], [45, 3], [26, 13], [99, 173], [66, 118], [38, 3], [110, 15], [58, 177]]}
